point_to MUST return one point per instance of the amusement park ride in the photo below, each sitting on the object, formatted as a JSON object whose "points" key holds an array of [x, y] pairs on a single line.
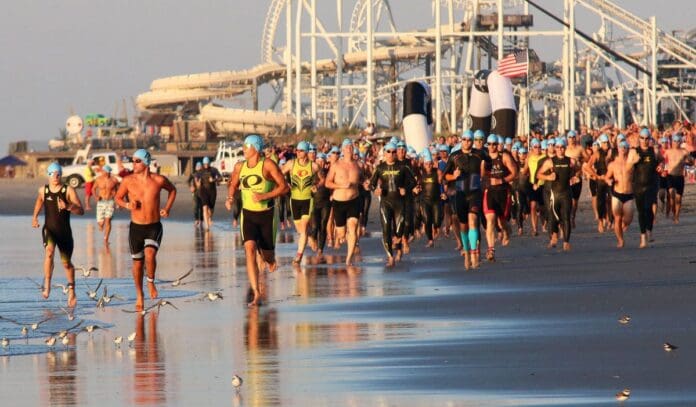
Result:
{"points": [[623, 71]]}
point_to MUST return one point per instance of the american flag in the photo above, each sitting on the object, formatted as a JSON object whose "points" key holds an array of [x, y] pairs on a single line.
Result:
{"points": [[514, 65]]}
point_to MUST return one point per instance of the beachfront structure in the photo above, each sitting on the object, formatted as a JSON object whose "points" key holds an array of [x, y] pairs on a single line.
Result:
{"points": [[330, 68]]}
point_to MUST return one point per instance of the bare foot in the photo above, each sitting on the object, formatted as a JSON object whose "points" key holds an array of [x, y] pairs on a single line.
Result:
{"points": [[390, 261], [255, 299], [397, 257], [46, 289], [272, 266], [407, 248], [72, 298], [620, 244], [139, 304], [643, 243], [430, 244], [551, 244], [153, 289], [349, 262], [566, 246]]}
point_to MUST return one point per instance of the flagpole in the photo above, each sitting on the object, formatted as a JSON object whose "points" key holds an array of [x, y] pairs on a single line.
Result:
{"points": [[527, 98]]}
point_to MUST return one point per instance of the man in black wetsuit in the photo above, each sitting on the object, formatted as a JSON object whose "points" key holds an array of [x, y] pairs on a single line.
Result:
{"points": [[465, 167], [645, 183], [207, 180], [430, 191], [389, 181], [597, 167], [322, 209], [558, 170], [408, 199], [58, 201]]}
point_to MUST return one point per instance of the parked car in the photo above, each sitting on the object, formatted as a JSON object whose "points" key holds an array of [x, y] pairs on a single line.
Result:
{"points": [[73, 174], [228, 154]]}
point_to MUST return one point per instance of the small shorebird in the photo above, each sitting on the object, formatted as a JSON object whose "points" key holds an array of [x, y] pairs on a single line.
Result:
{"points": [[237, 382], [131, 338], [63, 288], [179, 279], [87, 272], [65, 341], [159, 304], [143, 312], [669, 347], [624, 320], [25, 331], [5, 342], [213, 295], [35, 325], [107, 298], [91, 328], [92, 294], [623, 395], [67, 313], [62, 334], [118, 340], [50, 341], [40, 286]]}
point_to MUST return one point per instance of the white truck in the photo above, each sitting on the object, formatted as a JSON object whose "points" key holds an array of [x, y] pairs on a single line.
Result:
{"points": [[73, 174], [228, 154]]}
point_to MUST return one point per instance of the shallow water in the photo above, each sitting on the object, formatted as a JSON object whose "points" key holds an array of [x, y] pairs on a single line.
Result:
{"points": [[537, 328]]}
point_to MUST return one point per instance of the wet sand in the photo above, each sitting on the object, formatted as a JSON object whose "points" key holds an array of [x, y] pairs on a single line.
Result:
{"points": [[539, 327]]}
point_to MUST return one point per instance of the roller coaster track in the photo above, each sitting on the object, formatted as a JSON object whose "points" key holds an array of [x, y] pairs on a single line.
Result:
{"points": [[269, 29]]}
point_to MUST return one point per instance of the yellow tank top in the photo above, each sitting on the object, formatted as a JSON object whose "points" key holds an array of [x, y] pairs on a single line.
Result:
{"points": [[301, 180], [533, 164], [251, 180]]}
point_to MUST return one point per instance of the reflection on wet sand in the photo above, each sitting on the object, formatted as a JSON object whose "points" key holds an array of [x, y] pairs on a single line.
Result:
{"points": [[106, 263], [262, 387], [149, 375], [61, 373]]}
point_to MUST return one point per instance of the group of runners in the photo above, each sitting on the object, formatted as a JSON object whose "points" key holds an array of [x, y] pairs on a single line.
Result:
{"points": [[461, 187]]}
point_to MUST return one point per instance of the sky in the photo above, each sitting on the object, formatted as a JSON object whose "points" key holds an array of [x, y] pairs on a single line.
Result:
{"points": [[86, 56]]}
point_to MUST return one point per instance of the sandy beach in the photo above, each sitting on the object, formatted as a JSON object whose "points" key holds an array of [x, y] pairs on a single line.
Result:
{"points": [[538, 327]]}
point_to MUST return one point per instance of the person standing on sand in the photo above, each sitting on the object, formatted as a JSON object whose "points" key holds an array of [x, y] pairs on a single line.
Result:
{"points": [[58, 201], [88, 174], [104, 189], [145, 231], [261, 181]]}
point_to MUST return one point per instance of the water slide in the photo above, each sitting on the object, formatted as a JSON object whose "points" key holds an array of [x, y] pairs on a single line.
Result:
{"points": [[204, 87]]}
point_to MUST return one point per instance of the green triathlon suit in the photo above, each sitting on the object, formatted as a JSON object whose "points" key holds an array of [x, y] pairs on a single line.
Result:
{"points": [[301, 182], [258, 221]]}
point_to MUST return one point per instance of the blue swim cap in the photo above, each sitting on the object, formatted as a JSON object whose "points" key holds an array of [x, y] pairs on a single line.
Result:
{"points": [[107, 168], [676, 138], [255, 141], [624, 145], [492, 139], [401, 144], [321, 156], [663, 140], [346, 142], [603, 138], [479, 135], [390, 146], [54, 167], [143, 155], [468, 134], [645, 132], [572, 133], [501, 140], [443, 147], [335, 149], [534, 142], [551, 142], [199, 165], [394, 140], [620, 137], [560, 141], [544, 144], [312, 147], [518, 144], [522, 150], [456, 147], [427, 157], [206, 160], [508, 140], [302, 146], [514, 148]]}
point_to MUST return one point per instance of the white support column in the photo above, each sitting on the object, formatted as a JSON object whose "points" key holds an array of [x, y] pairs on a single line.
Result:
{"points": [[500, 30], [546, 116], [453, 73], [313, 61], [620, 120], [339, 67], [288, 57], [370, 65], [653, 90], [298, 68], [465, 104], [571, 67], [469, 64], [588, 92], [563, 119], [437, 94]]}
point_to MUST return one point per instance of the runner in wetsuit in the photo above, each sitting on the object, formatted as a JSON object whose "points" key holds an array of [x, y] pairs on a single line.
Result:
{"points": [[322, 209], [430, 191], [466, 168], [558, 170], [598, 165], [500, 170], [389, 182], [645, 163], [663, 183], [58, 201], [302, 173], [207, 180], [409, 204], [535, 195], [521, 188], [576, 152]]}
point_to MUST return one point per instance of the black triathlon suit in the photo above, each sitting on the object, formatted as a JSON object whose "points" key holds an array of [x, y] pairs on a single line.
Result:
{"points": [[57, 229], [560, 200], [390, 177], [645, 185], [142, 236]]}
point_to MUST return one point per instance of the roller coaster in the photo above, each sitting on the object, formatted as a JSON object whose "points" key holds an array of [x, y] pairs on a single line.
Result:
{"points": [[625, 70]]}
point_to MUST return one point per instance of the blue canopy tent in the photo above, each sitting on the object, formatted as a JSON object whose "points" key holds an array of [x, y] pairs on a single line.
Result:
{"points": [[11, 160]]}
